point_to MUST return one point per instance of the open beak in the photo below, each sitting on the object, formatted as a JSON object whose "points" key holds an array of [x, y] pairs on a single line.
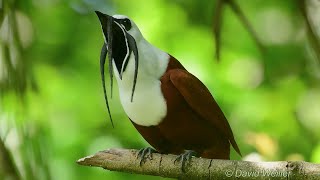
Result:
{"points": [[106, 22]]}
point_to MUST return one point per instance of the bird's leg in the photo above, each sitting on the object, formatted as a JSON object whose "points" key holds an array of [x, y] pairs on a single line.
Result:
{"points": [[183, 158], [144, 153]]}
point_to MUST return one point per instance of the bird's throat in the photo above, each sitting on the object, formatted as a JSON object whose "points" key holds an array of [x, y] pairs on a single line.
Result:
{"points": [[148, 106]]}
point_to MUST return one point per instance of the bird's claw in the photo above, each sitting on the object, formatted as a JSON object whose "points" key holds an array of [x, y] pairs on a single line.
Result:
{"points": [[185, 157], [144, 153]]}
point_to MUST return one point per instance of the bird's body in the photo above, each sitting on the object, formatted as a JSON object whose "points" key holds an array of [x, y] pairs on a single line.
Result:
{"points": [[172, 109]]}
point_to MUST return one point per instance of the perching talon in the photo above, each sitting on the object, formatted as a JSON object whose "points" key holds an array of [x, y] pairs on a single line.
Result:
{"points": [[145, 153], [185, 157]]}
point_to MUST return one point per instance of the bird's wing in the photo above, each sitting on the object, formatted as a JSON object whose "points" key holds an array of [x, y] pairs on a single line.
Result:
{"points": [[201, 101]]}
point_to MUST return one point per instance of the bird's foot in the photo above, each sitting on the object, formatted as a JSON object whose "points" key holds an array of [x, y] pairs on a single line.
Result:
{"points": [[185, 157], [145, 153]]}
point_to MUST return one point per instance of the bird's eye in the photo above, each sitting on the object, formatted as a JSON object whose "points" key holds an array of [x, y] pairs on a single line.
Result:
{"points": [[126, 23]]}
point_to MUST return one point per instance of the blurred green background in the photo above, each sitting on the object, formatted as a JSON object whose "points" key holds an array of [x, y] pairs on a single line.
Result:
{"points": [[52, 110]]}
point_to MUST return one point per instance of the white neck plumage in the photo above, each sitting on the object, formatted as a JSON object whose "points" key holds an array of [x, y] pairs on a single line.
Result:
{"points": [[152, 65]]}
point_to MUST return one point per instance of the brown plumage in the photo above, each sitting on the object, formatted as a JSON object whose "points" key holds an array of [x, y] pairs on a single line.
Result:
{"points": [[194, 121]]}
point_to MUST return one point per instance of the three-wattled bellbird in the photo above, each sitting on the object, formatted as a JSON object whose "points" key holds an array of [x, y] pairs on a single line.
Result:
{"points": [[171, 108]]}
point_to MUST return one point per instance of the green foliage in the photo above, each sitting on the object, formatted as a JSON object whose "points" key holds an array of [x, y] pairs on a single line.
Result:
{"points": [[271, 99]]}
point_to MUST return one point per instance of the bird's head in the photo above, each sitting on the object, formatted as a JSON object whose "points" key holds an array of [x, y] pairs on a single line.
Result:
{"points": [[121, 36]]}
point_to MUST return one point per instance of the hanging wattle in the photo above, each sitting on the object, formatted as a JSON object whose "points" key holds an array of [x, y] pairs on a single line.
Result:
{"points": [[114, 30]]}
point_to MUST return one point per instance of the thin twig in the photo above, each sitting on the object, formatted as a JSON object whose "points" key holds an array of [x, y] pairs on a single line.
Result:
{"points": [[313, 38], [237, 10], [217, 23], [7, 167], [217, 18]]}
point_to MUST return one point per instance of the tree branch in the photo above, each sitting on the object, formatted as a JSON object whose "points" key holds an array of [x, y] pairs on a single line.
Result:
{"points": [[125, 160]]}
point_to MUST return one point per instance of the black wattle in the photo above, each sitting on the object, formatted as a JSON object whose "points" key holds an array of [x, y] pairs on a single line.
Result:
{"points": [[133, 47], [103, 56], [110, 48]]}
